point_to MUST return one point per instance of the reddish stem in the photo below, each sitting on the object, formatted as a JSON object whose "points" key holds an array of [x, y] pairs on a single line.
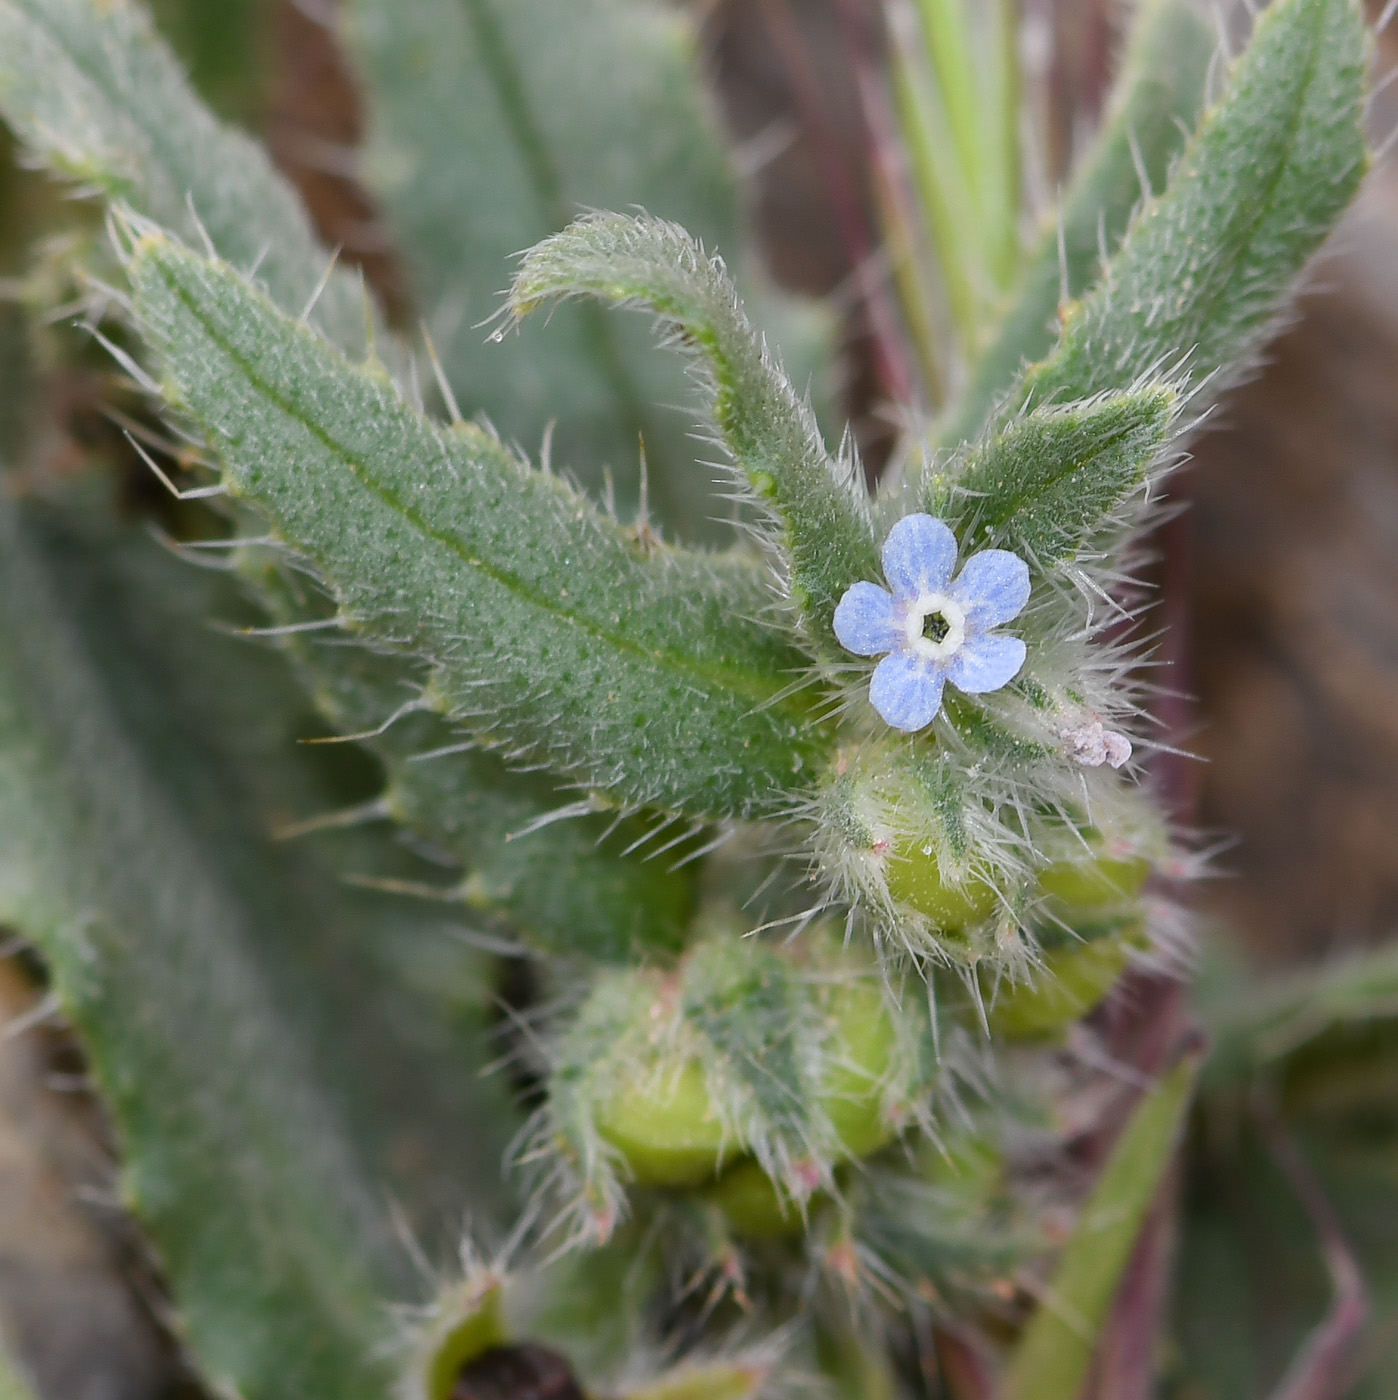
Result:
{"points": [[1322, 1368], [846, 201]]}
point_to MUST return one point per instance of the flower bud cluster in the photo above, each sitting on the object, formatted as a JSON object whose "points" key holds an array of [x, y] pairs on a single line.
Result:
{"points": [[747, 1073]]}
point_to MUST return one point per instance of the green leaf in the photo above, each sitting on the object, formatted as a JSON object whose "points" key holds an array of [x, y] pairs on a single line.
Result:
{"points": [[819, 505], [639, 669], [592, 900], [12, 1385], [1156, 103], [955, 85], [582, 884], [1256, 1027], [94, 92], [234, 1156], [1045, 484], [1207, 266], [579, 884], [109, 132], [1052, 1359], [396, 1011], [492, 124]]}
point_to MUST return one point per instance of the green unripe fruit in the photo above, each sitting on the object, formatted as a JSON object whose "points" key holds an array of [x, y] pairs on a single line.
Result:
{"points": [[1094, 883], [861, 1047], [915, 879], [752, 1205], [897, 834], [677, 1101], [1073, 980], [666, 1128]]}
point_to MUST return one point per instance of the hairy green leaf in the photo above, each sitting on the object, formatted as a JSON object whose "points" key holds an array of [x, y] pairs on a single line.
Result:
{"points": [[568, 880], [1206, 267], [818, 504], [97, 95], [114, 110], [1044, 484], [234, 1156], [1156, 103], [492, 124], [396, 1008], [638, 669]]}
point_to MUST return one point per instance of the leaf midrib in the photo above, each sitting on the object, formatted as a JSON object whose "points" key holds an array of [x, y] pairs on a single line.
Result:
{"points": [[741, 683], [1025, 499]]}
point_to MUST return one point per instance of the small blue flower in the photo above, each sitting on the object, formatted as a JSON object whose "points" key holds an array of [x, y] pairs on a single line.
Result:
{"points": [[933, 629]]}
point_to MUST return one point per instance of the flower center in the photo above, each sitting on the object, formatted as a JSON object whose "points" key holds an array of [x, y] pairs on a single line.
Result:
{"points": [[935, 626]]}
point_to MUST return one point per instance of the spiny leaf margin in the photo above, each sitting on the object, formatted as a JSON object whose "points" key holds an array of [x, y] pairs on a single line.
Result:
{"points": [[817, 505], [555, 632]]}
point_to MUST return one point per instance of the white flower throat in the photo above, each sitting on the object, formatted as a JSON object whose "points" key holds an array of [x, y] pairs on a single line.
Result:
{"points": [[949, 627]]}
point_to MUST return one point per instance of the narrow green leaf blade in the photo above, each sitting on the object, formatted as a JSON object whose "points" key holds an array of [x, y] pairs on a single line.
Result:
{"points": [[1052, 1359], [271, 1236], [93, 90], [639, 669], [1157, 100], [1260, 1027], [819, 505], [492, 124], [1206, 267], [12, 1384], [1046, 483]]}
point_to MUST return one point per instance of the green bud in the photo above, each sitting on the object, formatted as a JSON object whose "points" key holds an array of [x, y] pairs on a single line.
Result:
{"points": [[862, 1050], [914, 879], [1074, 978], [898, 839], [752, 1206], [1095, 882], [745, 1060], [666, 1128]]}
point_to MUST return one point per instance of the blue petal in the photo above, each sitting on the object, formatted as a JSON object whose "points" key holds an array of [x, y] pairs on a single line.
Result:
{"points": [[918, 556], [985, 663], [907, 691], [866, 621], [993, 588]]}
